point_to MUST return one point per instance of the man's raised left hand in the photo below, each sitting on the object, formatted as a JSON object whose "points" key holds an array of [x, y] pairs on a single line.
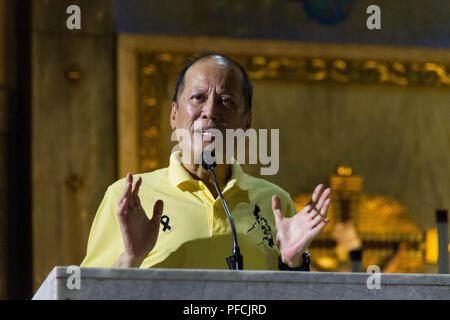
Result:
{"points": [[294, 234]]}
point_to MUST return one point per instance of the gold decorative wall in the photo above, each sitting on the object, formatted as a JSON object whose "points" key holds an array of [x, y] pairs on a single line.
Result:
{"points": [[156, 68], [389, 239]]}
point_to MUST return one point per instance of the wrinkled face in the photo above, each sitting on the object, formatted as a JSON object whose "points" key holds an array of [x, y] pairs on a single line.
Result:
{"points": [[212, 99]]}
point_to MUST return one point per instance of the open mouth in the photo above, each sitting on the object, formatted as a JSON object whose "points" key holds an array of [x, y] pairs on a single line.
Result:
{"points": [[205, 133], [208, 134]]}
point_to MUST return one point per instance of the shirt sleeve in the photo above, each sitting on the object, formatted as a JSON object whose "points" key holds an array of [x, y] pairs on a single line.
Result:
{"points": [[105, 243]]}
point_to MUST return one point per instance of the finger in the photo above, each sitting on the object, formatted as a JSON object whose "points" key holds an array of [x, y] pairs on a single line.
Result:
{"points": [[130, 193], [318, 208], [324, 210], [158, 211], [317, 219], [322, 199], [311, 206], [316, 193], [276, 208], [126, 189], [135, 193], [121, 212], [321, 225], [128, 198]]}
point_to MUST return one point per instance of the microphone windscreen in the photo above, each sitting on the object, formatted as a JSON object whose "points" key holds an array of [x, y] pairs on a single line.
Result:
{"points": [[208, 159]]}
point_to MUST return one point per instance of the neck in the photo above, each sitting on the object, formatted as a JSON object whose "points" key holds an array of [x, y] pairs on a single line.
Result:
{"points": [[222, 171]]}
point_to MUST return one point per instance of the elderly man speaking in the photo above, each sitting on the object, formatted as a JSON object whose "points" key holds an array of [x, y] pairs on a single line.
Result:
{"points": [[173, 217]]}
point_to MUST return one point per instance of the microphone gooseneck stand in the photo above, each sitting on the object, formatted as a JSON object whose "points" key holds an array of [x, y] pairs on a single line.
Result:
{"points": [[235, 262]]}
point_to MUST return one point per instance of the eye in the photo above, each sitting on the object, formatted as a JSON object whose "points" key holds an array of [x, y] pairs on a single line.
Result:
{"points": [[226, 100], [197, 97]]}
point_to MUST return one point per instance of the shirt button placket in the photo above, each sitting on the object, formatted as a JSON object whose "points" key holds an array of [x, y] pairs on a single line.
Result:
{"points": [[209, 203]]}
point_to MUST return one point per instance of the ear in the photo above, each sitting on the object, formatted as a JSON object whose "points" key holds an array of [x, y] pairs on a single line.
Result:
{"points": [[248, 120], [173, 115]]}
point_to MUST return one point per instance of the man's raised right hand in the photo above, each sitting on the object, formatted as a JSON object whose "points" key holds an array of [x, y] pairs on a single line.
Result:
{"points": [[139, 233]]}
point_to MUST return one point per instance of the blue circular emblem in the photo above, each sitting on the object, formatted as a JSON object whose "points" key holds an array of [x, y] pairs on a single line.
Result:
{"points": [[328, 11]]}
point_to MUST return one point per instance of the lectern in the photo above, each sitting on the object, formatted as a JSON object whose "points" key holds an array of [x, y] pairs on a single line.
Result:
{"points": [[191, 284]]}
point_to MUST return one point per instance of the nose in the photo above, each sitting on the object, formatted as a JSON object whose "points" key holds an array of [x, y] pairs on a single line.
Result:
{"points": [[210, 109]]}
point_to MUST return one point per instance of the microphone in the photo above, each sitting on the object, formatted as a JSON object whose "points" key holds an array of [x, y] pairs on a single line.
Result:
{"points": [[235, 262]]}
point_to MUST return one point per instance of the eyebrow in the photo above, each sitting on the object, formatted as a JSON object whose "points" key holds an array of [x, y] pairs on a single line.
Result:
{"points": [[226, 92]]}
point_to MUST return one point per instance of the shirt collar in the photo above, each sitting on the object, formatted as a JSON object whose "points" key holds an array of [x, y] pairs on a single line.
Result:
{"points": [[178, 174]]}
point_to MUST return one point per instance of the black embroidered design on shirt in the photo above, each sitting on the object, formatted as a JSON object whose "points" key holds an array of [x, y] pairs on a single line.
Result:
{"points": [[265, 227]]}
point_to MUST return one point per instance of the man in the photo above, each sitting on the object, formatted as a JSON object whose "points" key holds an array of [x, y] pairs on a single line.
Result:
{"points": [[188, 227]]}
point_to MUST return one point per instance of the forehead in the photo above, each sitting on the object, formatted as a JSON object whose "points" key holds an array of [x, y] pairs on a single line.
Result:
{"points": [[214, 71]]}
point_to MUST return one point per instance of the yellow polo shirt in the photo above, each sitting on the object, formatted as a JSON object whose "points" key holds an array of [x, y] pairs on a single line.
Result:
{"points": [[195, 231]]}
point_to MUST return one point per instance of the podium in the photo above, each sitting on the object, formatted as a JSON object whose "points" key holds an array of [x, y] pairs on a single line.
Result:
{"points": [[65, 283]]}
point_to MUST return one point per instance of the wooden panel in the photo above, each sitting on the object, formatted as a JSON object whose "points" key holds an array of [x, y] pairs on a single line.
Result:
{"points": [[73, 129]]}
